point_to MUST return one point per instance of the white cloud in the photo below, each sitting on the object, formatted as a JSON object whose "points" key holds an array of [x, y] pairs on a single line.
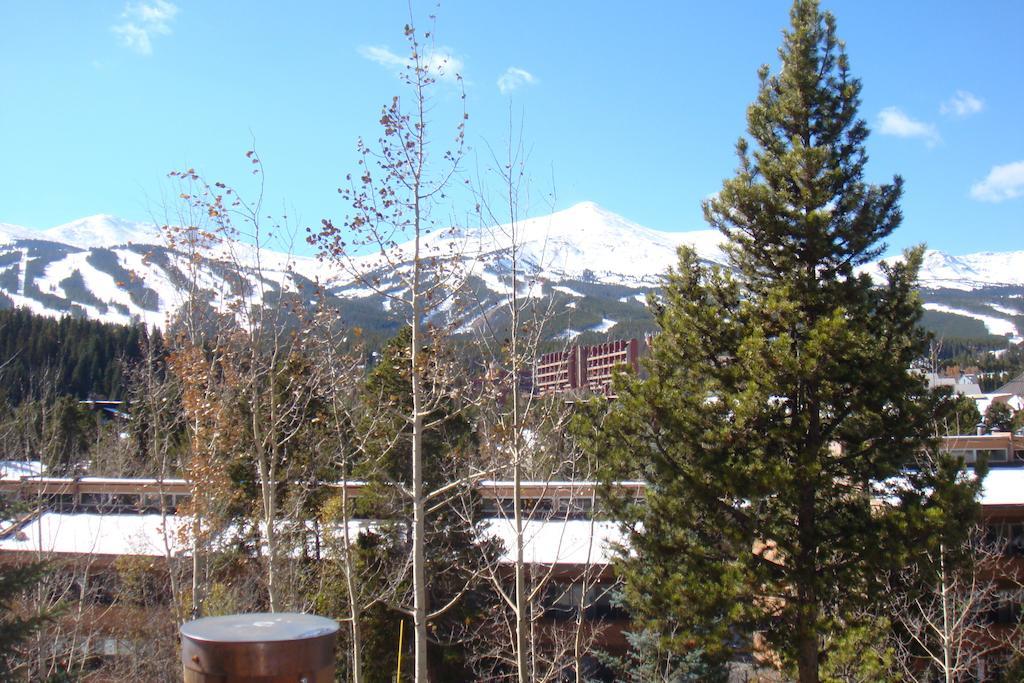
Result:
{"points": [[1002, 183], [143, 20], [962, 104], [382, 56], [439, 62], [892, 121], [514, 78]]}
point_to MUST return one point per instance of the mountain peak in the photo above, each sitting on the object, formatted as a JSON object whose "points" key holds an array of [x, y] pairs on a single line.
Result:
{"points": [[587, 206], [103, 230], [590, 210]]}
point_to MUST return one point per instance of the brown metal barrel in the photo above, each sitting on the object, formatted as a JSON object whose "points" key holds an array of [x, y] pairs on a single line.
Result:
{"points": [[259, 648]]}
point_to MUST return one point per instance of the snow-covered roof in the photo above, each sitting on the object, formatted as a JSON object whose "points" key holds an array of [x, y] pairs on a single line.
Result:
{"points": [[1003, 486], [16, 469], [547, 542], [958, 385], [94, 534], [141, 481], [555, 483], [558, 542], [985, 401]]}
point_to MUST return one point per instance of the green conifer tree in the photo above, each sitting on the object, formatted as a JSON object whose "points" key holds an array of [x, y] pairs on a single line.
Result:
{"points": [[781, 401], [999, 417]]}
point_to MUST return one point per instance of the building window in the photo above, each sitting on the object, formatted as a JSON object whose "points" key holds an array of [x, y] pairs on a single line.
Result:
{"points": [[1007, 537], [966, 453], [994, 455], [1006, 611]]}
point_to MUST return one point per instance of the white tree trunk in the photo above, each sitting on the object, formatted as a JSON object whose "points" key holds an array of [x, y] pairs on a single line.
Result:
{"points": [[419, 575]]}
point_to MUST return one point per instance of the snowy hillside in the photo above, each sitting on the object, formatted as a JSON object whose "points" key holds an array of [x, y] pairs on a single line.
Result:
{"points": [[583, 241], [119, 271], [11, 233], [596, 267], [969, 272], [103, 231]]}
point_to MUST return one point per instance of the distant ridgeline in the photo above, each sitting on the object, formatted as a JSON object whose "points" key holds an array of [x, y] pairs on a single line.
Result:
{"points": [[587, 269], [83, 358], [68, 356]]}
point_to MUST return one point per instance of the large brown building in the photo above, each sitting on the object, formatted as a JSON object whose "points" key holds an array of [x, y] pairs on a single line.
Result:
{"points": [[587, 368], [558, 372]]}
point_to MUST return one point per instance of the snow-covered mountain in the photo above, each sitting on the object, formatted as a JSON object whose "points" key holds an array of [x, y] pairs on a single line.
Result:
{"points": [[115, 270], [971, 271], [103, 231], [594, 266], [583, 241]]}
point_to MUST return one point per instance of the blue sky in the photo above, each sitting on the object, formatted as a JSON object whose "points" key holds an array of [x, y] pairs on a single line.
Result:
{"points": [[636, 106]]}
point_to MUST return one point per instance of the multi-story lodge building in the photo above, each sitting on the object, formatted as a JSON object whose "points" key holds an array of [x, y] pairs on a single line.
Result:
{"points": [[587, 368]]}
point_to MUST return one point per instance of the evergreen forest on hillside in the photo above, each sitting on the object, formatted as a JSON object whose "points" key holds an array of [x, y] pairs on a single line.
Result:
{"points": [[71, 356]]}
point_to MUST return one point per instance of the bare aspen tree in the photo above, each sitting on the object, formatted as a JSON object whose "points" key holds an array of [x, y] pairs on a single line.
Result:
{"points": [[523, 437], [260, 374], [399, 193], [348, 426], [156, 435], [517, 354], [565, 565], [941, 611], [76, 592], [194, 343]]}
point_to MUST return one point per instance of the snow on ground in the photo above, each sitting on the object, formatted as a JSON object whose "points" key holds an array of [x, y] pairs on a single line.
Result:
{"points": [[494, 282], [532, 289], [571, 304], [23, 272], [267, 259], [584, 237], [34, 306], [528, 288], [357, 292], [566, 290], [568, 334], [12, 233], [997, 326], [546, 541], [16, 469], [707, 244], [984, 401], [102, 231], [101, 285], [603, 326], [153, 276], [93, 534], [967, 272], [551, 541], [1006, 309], [1003, 486]]}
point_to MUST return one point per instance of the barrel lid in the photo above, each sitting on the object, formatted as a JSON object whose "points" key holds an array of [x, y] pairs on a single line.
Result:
{"points": [[260, 627]]}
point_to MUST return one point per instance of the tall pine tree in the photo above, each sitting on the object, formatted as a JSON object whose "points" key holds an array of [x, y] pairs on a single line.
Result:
{"points": [[780, 399]]}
